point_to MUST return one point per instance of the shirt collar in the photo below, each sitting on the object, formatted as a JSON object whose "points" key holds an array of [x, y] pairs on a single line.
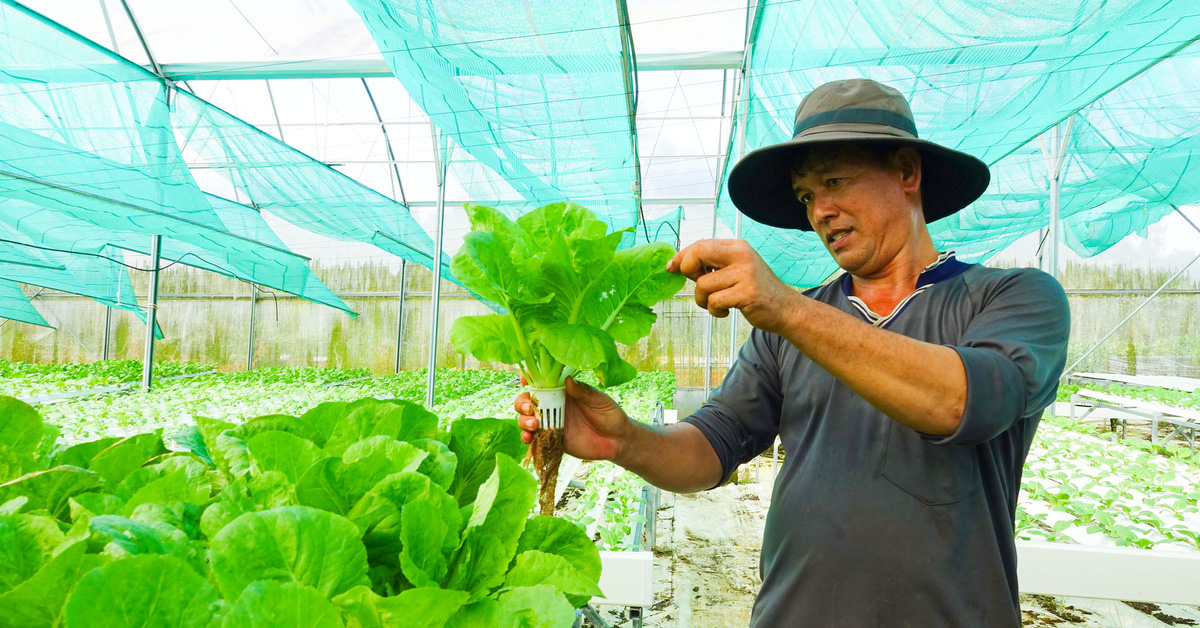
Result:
{"points": [[946, 266]]}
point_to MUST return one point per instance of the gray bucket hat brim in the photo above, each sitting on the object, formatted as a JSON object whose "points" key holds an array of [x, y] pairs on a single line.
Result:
{"points": [[855, 111]]}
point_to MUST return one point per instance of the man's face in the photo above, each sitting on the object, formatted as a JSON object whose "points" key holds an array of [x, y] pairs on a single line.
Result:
{"points": [[861, 207]]}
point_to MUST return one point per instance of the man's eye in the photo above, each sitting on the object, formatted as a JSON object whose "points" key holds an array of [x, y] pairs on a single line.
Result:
{"points": [[833, 182], [806, 199]]}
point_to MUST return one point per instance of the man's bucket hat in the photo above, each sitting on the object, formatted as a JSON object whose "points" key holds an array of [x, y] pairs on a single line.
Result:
{"points": [[859, 111]]}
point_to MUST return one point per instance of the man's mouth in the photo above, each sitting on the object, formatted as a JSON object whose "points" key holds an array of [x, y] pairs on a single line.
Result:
{"points": [[836, 234]]}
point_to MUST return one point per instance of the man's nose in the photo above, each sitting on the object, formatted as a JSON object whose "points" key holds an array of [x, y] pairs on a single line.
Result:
{"points": [[823, 207]]}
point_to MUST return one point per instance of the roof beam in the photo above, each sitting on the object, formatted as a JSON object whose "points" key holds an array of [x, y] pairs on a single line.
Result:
{"points": [[373, 68]]}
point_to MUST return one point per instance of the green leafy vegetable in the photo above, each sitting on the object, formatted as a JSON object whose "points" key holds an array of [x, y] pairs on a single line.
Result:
{"points": [[569, 294]]}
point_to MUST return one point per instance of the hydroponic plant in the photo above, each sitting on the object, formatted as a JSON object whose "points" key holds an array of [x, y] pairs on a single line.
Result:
{"points": [[569, 296], [363, 514]]}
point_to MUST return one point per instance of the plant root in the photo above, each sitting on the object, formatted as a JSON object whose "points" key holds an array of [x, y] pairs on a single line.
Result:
{"points": [[546, 452]]}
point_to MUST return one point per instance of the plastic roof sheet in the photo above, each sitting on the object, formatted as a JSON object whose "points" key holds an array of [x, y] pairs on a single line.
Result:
{"points": [[985, 77]]}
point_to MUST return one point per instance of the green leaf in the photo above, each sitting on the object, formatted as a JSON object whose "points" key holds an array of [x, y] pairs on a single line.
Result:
{"points": [[271, 489], [277, 423], [26, 543], [136, 538], [536, 607], [487, 338], [324, 417], [424, 533], [21, 434], [636, 278], [160, 591], [481, 612], [234, 503], [378, 515], [173, 486], [121, 458], [190, 439], [563, 538], [440, 462], [497, 519], [40, 600], [336, 485], [476, 443], [270, 604], [51, 489], [587, 348], [92, 504], [283, 452], [534, 568], [414, 608], [81, 454], [288, 544], [399, 420]]}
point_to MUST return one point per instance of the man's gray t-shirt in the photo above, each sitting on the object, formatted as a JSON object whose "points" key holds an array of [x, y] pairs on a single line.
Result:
{"points": [[871, 522]]}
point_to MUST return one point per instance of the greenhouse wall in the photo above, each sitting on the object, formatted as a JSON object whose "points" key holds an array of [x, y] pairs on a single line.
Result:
{"points": [[205, 318]]}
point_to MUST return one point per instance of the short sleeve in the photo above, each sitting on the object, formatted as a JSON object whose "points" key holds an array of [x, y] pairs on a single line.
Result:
{"points": [[1013, 351], [741, 417]]}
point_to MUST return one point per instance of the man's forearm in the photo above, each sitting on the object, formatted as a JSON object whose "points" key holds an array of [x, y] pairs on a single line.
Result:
{"points": [[919, 384], [676, 458]]}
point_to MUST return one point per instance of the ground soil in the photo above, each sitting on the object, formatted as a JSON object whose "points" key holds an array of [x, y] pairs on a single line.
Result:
{"points": [[706, 570]]}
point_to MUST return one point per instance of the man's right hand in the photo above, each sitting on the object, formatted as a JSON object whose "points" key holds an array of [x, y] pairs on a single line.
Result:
{"points": [[595, 427]]}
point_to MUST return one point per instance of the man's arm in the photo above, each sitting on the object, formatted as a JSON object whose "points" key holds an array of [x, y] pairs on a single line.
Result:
{"points": [[919, 384]]}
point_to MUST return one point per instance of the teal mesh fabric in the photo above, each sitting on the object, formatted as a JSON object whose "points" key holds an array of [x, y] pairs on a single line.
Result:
{"points": [[987, 77], [100, 277], [92, 152], [535, 92], [664, 228], [15, 306]]}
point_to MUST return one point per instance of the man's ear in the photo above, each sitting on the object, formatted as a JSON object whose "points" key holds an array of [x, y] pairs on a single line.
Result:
{"points": [[908, 161]]}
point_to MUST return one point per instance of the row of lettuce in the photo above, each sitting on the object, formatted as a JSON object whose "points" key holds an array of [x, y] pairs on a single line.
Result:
{"points": [[233, 396], [363, 513]]}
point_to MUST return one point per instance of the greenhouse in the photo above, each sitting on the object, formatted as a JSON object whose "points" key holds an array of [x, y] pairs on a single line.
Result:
{"points": [[275, 278]]}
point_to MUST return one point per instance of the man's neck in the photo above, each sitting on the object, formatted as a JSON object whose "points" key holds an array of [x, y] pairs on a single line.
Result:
{"points": [[883, 290]]}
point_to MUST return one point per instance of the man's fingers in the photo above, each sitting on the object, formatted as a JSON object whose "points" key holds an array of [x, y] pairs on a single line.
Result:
{"points": [[527, 437], [522, 404], [527, 423], [703, 256]]}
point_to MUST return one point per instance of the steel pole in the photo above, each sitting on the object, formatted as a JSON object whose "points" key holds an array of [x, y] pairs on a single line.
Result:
{"points": [[151, 313], [1053, 237], [107, 332], [437, 286], [400, 317], [253, 313]]}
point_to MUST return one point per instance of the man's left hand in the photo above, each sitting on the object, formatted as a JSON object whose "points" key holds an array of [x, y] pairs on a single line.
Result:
{"points": [[730, 274]]}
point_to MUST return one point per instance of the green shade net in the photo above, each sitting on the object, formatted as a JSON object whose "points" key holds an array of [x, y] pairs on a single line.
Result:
{"points": [[102, 276], [664, 228], [15, 306], [540, 107], [92, 153], [985, 77]]}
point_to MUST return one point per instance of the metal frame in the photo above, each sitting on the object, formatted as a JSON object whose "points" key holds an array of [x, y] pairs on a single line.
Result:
{"points": [[151, 312], [436, 305], [378, 68], [250, 338], [400, 317], [1059, 136]]}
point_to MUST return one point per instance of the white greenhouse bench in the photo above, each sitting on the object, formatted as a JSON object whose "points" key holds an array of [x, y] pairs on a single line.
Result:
{"points": [[1186, 384], [1186, 421]]}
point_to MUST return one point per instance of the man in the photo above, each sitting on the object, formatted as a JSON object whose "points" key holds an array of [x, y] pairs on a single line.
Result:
{"points": [[906, 393]]}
